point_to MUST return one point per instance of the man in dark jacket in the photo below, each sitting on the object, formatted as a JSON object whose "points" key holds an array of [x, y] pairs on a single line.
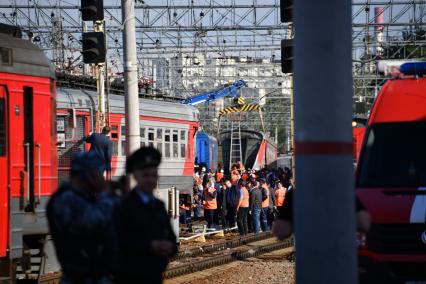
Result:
{"points": [[256, 206], [232, 199], [81, 220], [147, 239], [222, 202], [102, 147]]}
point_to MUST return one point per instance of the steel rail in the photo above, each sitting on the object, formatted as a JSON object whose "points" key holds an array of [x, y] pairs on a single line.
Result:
{"points": [[233, 243], [224, 259]]}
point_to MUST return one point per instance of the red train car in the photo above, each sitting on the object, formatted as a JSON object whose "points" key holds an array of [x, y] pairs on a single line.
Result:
{"points": [[28, 168]]}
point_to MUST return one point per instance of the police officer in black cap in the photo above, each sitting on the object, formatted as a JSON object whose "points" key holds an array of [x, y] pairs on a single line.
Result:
{"points": [[147, 239]]}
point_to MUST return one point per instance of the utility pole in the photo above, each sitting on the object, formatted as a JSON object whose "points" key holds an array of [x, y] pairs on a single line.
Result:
{"points": [[293, 158], [130, 76], [100, 82], [324, 198]]}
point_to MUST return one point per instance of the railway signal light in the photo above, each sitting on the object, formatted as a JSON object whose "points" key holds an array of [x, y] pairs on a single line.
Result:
{"points": [[94, 50], [286, 9], [92, 10], [287, 55]]}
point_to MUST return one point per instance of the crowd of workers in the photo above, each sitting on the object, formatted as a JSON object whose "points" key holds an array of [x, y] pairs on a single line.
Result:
{"points": [[247, 199]]}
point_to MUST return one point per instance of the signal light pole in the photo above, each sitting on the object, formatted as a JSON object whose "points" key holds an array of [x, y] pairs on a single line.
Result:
{"points": [[94, 50]]}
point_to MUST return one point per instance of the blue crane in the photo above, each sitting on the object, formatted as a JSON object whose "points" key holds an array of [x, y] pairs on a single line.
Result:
{"points": [[229, 91]]}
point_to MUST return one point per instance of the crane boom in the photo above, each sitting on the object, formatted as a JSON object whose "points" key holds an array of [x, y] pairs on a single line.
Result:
{"points": [[229, 91]]}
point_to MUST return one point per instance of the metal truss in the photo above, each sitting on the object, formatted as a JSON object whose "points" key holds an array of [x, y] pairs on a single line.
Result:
{"points": [[177, 38]]}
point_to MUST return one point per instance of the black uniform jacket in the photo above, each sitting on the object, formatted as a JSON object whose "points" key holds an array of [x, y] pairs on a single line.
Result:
{"points": [[139, 225]]}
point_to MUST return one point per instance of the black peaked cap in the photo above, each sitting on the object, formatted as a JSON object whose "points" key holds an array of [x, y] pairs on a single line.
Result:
{"points": [[144, 157]]}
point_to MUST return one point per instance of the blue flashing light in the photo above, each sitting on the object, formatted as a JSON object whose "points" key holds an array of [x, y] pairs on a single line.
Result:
{"points": [[413, 68]]}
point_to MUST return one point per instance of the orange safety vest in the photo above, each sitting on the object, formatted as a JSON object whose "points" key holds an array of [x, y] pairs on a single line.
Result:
{"points": [[265, 203], [280, 196], [244, 202], [209, 202], [219, 176]]}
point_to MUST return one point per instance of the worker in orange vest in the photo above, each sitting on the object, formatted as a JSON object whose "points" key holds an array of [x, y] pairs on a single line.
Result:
{"points": [[210, 204], [219, 175], [243, 209], [265, 205], [235, 176], [280, 193]]}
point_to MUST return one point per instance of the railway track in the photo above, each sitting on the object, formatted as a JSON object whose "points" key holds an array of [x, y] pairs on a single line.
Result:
{"points": [[209, 261], [228, 244]]}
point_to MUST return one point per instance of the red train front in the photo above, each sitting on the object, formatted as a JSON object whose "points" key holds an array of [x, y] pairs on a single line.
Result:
{"points": [[28, 169]]}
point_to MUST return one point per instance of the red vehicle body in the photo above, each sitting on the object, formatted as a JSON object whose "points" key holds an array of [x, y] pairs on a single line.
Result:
{"points": [[28, 160], [391, 183]]}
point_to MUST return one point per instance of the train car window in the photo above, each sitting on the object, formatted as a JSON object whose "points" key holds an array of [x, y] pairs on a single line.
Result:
{"points": [[175, 144], [6, 56], [182, 143], [123, 130], [151, 137], [123, 147], [114, 139], [167, 143], [160, 140], [175, 150], [142, 132], [2, 127]]}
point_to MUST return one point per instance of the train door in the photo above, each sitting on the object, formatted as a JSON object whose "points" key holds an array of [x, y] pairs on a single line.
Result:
{"points": [[4, 174], [29, 145]]}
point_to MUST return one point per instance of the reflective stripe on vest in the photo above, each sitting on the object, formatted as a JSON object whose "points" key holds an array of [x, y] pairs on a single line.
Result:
{"points": [[265, 203], [280, 195], [209, 202], [245, 201]]}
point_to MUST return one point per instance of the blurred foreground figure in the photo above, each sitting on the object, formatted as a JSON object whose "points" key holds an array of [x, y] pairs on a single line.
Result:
{"points": [[81, 221], [146, 237]]}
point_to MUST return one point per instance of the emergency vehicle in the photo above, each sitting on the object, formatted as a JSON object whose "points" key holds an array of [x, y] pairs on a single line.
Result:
{"points": [[391, 182]]}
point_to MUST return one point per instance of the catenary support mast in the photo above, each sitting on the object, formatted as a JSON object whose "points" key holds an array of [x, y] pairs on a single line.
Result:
{"points": [[324, 196], [131, 76]]}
